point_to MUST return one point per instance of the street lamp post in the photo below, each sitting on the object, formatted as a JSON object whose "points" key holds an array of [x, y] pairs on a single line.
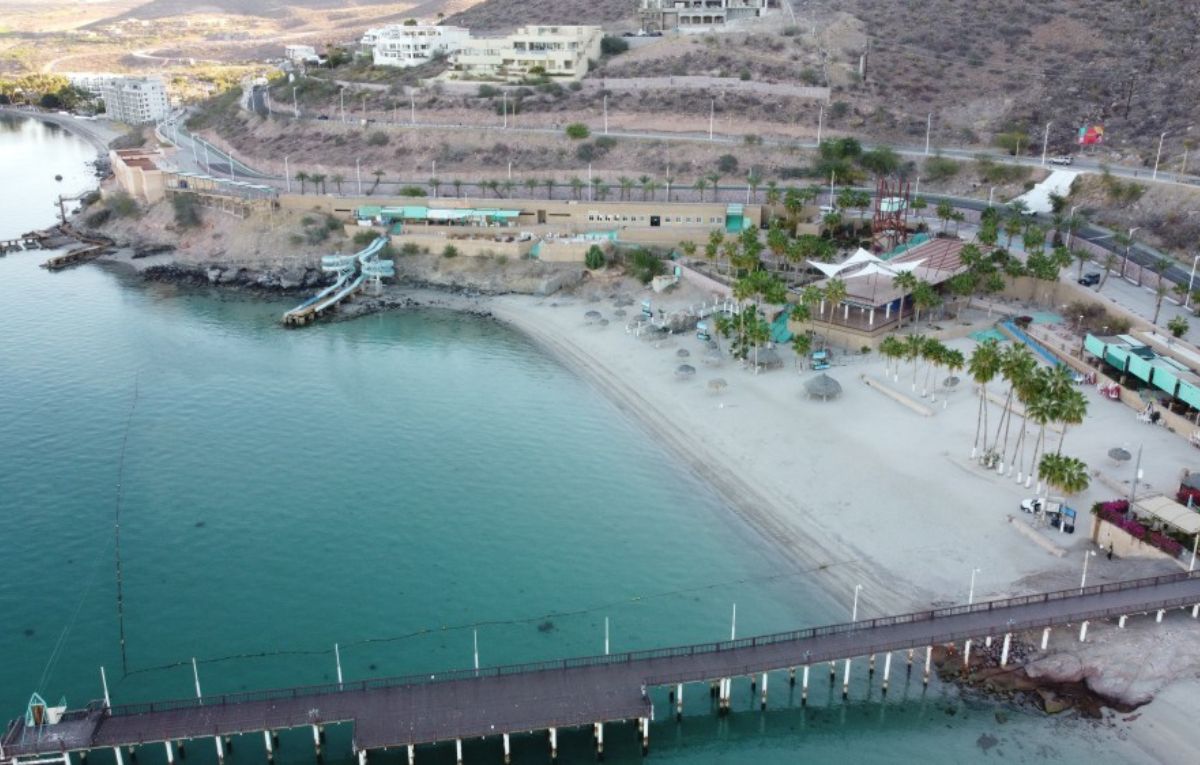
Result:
{"points": [[1071, 226], [971, 594], [854, 610], [991, 195], [287, 176], [928, 131], [1046, 142], [295, 104], [358, 174], [1086, 557], [1158, 156], [1187, 301], [1195, 546], [820, 124], [1128, 246], [712, 111]]}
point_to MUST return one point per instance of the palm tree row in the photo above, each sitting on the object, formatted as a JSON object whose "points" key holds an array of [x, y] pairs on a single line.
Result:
{"points": [[916, 349], [1046, 394]]}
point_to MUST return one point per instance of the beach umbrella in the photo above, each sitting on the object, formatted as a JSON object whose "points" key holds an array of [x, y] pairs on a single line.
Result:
{"points": [[685, 371], [717, 384], [951, 382], [1119, 455], [683, 353], [591, 316], [619, 313], [823, 387]]}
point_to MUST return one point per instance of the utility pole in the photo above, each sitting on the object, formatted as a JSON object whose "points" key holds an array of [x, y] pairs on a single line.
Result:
{"points": [[1158, 156], [928, 132], [295, 104], [606, 116], [287, 176], [342, 103], [1046, 142], [820, 124], [712, 109]]}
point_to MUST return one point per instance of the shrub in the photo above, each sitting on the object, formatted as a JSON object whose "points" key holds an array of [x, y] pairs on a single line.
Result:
{"points": [[1178, 326], [488, 91], [502, 259], [412, 191], [594, 259], [316, 235], [187, 210], [98, 218], [605, 142], [332, 223], [612, 46], [578, 131], [587, 152], [727, 163], [939, 168], [307, 220], [576, 86], [121, 204], [644, 265], [377, 138], [364, 237], [410, 248], [450, 251], [295, 240]]}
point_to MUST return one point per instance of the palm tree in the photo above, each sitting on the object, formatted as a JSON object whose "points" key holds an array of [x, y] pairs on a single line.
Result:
{"points": [[891, 349], [1016, 365], [435, 186], [644, 183], [913, 345], [932, 353], [715, 180], [492, 185], [700, 185], [772, 195], [457, 184], [530, 185], [1110, 262], [508, 184], [1012, 227], [1160, 292], [753, 181], [602, 191], [945, 211], [1067, 474], [626, 185], [338, 179], [983, 366], [835, 293], [1083, 257], [576, 187], [378, 177], [318, 182], [688, 247], [549, 184], [925, 296], [303, 178], [1041, 410], [906, 282], [954, 361], [1071, 411]]}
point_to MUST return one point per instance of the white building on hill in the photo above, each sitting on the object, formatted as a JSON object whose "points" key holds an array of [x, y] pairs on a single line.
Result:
{"points": [[91, 82], [135, 100], [413, 44], [556, 51], [672, 14], [301, 54]]}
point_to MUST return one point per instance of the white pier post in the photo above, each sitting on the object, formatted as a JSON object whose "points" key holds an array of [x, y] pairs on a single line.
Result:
{"points": [[170, 752], [553, 744], [104, 683], [1004, 649], [1045, 638], [1158, 619], [270, 745], [887, 669], [967, 654], [792, 677], [599, 741], [507, 750], [804, 687], [196, 677], [1083, 631], [412, 754], [764, 690], [908, 668], [928, 662], [645, 736], [220, 748], [1196, 610], [871, 666], [987, 642], [362, 757], [317, 738], [66, 758], [458, 751], [1121, 622], [846, 681], [832, 672], [337, 657], [116, 751], [679, 701]]}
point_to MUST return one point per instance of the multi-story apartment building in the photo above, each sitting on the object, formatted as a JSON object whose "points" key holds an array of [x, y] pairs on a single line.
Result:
{"points": [[412, 45], [135, 100], [301, 54], [91, 82], [672, 14], [556, 51]]}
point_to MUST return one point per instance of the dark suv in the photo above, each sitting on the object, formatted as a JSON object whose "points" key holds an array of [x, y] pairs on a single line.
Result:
{"points": [[1090, 280]]}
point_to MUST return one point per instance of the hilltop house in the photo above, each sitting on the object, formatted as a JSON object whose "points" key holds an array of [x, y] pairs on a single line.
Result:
{"points": [[672, 14], [556, 51], [413, 44]]}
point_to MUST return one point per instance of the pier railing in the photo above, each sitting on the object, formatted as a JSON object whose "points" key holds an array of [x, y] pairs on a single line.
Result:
{"points": [[861, 626]]}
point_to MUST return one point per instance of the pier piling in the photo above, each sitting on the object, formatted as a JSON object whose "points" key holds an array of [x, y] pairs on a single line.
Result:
{"points": [[1083, 631], [846, 681], [764, 691], [967, 654], [362, 757], [317, 739], [928, 663], [1121, 622], [1004, 649], [120, 757], [599, 742], [553, 745], [887, 669], [412, 754], [804, 687], [1045, 638], [908, 669], [871, 666], [458, 751], [1158, 619], [220, 748], [507, 750], [170, 752], [645, 736], [792, 677], [679, 702]]}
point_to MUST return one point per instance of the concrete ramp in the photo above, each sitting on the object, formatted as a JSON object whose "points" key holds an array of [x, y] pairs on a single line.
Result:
{"points": [[1037, 199]]}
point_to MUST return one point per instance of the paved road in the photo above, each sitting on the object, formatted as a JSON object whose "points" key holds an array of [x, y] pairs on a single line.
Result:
{"points": [[469, 703]]}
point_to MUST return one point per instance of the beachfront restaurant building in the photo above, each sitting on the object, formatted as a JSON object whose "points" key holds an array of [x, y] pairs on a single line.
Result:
{"points": [[873, 302], [1132, 358]]}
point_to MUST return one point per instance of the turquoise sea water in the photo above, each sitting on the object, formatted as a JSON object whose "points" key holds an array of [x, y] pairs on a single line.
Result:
{"points": [[392, 484]]}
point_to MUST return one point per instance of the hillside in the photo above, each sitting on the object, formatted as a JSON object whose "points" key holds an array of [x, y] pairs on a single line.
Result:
{"points": [[1017, 65], [505, 14]]}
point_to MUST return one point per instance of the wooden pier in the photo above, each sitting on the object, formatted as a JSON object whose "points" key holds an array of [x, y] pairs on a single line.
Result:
{"points": [[498, 702], [75, 257]]}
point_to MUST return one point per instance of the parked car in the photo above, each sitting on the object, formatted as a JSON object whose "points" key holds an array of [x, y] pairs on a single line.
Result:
{"points": [[1062, 159], [1090, 280]]}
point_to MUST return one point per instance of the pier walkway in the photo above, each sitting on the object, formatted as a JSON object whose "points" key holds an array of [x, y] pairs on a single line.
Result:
{"points": [[347, 283], [590, 691]]}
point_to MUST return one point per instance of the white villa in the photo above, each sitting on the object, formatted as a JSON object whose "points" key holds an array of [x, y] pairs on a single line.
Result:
{"points": [[673, 14], [558, 51], [413, 44]]}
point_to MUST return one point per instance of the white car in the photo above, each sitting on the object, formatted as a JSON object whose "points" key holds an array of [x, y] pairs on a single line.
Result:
{"points": [[1064, 159]]}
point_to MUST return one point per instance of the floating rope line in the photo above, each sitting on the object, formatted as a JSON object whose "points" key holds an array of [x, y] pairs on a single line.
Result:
{"points": [[768, 578], [117, 528]]}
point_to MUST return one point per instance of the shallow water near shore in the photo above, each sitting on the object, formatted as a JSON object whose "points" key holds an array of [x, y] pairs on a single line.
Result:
{"points": [[392, 484]]}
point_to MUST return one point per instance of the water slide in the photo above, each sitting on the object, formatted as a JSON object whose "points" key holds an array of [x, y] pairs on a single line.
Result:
{"points": [[1013, 330], [352, 271]]}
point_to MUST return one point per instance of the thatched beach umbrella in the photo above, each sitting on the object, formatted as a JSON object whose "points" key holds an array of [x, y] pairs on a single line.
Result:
{"points": [[683, 353], [1117, 454], [717, 384], [619, 313], [823, 387], [591, 316], [685, 371], [951, 382]]}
